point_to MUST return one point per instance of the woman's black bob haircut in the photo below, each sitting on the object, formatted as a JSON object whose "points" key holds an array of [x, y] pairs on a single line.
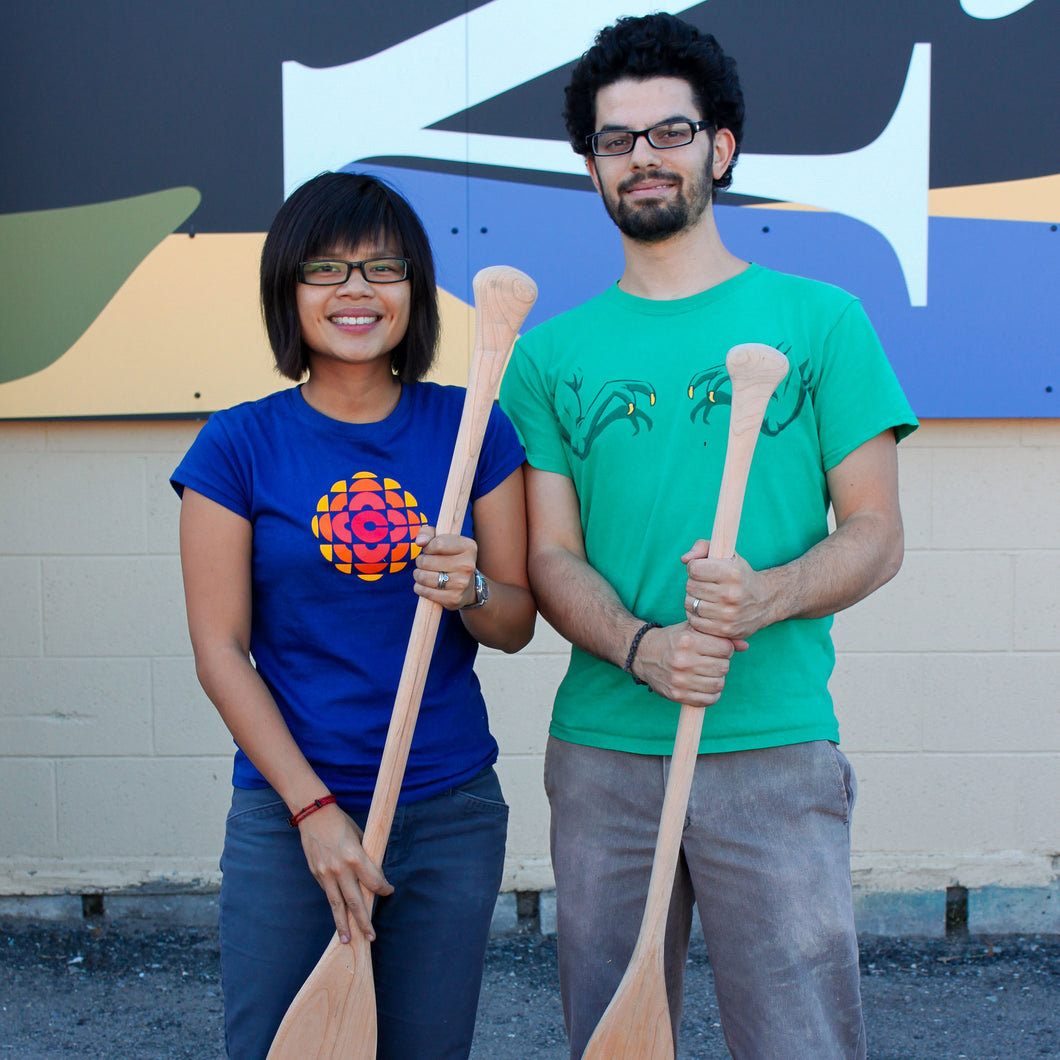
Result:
{"points": [[342, 211], [657, 45]]}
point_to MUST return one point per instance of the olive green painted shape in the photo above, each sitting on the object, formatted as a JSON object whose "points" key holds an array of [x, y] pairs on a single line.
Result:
{"points": [[59, 268]]}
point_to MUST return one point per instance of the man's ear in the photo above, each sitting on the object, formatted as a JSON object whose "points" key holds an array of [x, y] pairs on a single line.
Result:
{"points": [[724, 149], [590, 165]]}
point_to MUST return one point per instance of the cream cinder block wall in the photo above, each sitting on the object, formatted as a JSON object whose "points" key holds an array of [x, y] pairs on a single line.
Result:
{"points": [[114, 768], [947, 678]]}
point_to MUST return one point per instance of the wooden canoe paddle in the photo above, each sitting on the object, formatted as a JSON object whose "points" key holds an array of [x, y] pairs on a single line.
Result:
{"points": [[636, 1024], [333, 1016]]}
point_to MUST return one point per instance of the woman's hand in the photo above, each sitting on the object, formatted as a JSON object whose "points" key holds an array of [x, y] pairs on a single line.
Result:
{"points": [[445, 569], [332, 844], [498, 550]]}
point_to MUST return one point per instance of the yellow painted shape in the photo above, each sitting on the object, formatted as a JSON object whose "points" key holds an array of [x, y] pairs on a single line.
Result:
{"points": [[800, 206], [1035, 199], [457, 340], [187, 322], [180, 325]]}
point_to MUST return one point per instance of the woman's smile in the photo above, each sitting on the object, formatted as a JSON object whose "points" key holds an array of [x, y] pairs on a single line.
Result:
{"points": [[356, 322]]}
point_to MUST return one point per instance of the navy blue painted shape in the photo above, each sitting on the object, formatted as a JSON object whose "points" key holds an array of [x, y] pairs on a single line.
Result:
{"points": [[985, 345]]}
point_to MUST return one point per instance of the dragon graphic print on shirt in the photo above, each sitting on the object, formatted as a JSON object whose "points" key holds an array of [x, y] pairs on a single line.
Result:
{"points": [[632, 401]]}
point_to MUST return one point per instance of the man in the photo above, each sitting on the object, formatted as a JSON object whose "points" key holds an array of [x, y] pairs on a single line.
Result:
{"points": [[621, 403]]}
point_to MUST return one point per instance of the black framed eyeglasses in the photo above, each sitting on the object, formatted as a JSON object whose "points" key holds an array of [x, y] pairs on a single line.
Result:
{"points": [[331, 273], [665, 134]]}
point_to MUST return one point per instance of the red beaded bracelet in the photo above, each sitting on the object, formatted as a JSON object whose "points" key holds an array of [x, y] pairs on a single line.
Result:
{"points": [[302, 814]]}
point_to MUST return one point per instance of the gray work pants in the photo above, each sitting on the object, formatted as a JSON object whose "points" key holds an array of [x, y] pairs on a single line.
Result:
{"points": [[765, 856]]}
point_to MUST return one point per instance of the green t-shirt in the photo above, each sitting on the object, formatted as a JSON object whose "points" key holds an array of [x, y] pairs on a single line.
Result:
{"points": [[629, 398]]}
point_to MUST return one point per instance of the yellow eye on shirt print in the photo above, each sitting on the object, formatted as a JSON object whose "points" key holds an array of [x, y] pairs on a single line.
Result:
{"points": [[367, 527]]}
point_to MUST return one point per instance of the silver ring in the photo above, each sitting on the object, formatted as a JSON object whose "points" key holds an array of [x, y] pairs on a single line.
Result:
{"points": [[695, 607], [443, 579]]}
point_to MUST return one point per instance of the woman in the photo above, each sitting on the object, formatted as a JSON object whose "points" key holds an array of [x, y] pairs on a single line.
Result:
{"points": [[305, 540]]}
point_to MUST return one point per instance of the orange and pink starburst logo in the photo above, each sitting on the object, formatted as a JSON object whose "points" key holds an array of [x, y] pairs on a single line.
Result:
{"points": [[367, 527]]}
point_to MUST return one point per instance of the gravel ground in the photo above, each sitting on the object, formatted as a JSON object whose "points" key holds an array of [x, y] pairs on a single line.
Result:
{"points": [[98, 991]]}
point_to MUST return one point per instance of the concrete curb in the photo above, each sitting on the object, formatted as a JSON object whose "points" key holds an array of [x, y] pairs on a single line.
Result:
{"points": [[930, 914]]}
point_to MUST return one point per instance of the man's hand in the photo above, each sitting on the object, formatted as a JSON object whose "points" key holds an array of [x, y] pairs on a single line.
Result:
{"points": [[685, 666], [733, 598], [861, 554]]}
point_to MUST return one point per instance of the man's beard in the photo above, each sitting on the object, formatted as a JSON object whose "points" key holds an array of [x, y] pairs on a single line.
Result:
{"points": [[653, 222]]}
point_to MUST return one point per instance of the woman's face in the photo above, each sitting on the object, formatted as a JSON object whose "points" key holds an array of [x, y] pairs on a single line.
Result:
{"points": [[355, 322]]}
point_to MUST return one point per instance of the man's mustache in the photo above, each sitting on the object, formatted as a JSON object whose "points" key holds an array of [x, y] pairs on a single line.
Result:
{"points": [[638, 178]]}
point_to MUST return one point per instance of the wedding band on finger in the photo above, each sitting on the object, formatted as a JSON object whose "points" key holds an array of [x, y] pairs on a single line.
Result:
{"points": [[443, 579], [695, 607]]}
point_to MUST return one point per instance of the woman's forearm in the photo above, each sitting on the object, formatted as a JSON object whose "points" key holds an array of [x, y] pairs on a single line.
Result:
{"points": [[252, 717], [506, 620]]}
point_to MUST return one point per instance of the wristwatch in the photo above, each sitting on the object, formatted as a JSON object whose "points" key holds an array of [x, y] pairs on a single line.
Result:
{"points": [[482, 592]]}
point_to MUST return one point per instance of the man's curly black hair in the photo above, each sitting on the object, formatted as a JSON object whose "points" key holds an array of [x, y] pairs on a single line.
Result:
{"points": [[659, 45]]}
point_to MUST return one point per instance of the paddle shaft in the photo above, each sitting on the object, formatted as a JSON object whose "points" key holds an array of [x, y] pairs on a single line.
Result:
{"points": [[503, 297], [752, 386], [333, 1015], [755, 371]]}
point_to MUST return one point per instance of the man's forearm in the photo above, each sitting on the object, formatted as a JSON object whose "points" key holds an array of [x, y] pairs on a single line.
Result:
{"points": [[866, 548], [580, 603], [675, 661], [852, 562], [861, 554], [848, 565]]}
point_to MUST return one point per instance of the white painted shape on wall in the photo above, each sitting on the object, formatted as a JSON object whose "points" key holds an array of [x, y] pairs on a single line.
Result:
{"points": [[884, 184], [468, 60], [442, 71], [990, 9]]}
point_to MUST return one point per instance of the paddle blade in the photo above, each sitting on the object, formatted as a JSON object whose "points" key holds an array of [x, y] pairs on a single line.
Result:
{"points": [[333, 1016], [636, 1025]]}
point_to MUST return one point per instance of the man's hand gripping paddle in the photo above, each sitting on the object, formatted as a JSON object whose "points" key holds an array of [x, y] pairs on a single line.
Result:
{"points": [[333, 1016], [636, 1025]]}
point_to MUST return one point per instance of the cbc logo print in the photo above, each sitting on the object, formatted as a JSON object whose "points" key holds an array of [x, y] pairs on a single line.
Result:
{"points": [[366, 526]]}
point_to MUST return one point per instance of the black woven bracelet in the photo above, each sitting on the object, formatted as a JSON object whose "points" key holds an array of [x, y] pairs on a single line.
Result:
{"points": [[633, 650]]}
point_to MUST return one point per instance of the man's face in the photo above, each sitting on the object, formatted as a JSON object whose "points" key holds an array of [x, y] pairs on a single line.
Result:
{"points": [[652, 193]]}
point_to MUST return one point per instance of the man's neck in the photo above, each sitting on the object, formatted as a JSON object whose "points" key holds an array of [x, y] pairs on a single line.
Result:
{"points": [[683, 265]]}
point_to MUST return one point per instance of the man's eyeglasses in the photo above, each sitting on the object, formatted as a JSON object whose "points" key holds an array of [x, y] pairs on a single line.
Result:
{"points": [[667, 134], [374, 270]]}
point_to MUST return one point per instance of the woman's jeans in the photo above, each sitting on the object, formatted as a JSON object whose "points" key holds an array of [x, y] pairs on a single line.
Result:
{"points": [[444, 859]]}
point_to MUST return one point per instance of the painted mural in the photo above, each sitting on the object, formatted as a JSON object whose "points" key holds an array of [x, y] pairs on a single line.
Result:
{"points": [[908, 152]]}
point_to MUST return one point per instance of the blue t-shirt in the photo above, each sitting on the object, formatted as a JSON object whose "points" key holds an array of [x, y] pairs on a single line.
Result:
{"points": [[334, 508]]}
